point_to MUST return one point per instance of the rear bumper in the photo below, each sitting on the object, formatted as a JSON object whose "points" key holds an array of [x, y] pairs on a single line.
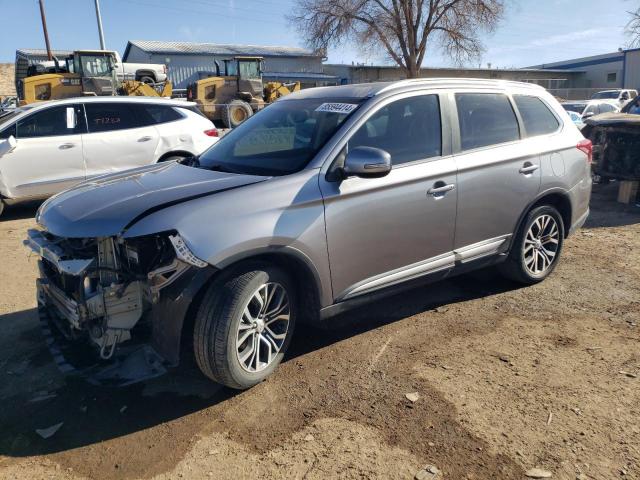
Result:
{"points": [[577, 225]]}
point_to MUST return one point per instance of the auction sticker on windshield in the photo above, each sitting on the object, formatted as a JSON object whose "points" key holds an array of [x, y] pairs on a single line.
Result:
{"points": [[337, 107]]}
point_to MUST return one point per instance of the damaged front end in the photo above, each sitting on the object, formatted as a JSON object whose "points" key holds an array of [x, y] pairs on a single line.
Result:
{"points": [[107, 291], [616, 145]]}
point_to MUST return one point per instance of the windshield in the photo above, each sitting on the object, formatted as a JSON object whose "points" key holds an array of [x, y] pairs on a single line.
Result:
{"points": [[96, 65], [281, 139], [606, 95]]}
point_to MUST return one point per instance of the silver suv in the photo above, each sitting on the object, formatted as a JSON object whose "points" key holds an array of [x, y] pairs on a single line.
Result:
{"points": [[324, 199]]}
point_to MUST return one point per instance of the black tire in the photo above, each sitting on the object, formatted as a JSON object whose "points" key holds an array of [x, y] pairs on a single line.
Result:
{"points": [[515, 267], [235, 113], [173, 157], [147, 79], [217, 325]]}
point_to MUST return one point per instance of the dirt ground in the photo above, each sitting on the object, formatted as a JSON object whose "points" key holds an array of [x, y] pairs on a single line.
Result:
{"points": [[508, 379]]}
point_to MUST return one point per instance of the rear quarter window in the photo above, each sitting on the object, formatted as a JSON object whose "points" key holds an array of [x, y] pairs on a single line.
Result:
{"points": [[107, 117], [486, 119], [157, 114], [536, 116]]}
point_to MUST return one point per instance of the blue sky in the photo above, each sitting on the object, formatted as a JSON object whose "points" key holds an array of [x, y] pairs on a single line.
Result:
{"points": [[532, 32]]}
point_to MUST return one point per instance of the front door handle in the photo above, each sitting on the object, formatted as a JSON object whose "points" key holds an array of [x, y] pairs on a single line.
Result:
{"points": [[528, 168], [66, 146], [440, 188], [144, 139]]}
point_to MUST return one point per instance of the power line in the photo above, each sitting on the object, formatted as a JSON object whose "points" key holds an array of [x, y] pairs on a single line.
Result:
{"points": [[201, 12]]}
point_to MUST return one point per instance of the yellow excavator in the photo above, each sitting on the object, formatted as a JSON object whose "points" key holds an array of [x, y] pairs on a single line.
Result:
{"points": [[237, 94], [85, 72]]}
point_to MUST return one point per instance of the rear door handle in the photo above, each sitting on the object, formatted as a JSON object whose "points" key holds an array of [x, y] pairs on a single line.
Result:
{"points": [[144, 139], [440, 189], [528, 168], [66, 146]]}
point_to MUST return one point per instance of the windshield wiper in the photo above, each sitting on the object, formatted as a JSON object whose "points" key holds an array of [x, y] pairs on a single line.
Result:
{"points": [[192, 161]]}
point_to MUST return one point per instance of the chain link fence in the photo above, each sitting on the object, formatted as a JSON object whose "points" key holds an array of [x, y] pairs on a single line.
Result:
{"points": [[574, 93]]}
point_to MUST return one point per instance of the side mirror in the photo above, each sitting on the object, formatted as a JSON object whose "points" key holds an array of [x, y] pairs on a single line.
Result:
{"points": [[367, 162], [625, 96], [8, 145], [588, 115]]}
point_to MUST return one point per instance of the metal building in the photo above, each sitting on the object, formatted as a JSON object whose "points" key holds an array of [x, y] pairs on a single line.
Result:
{"points": [[619, 69], [187, 62], [31, 56]]}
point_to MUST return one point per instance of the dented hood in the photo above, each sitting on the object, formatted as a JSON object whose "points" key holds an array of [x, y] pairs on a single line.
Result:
{"points": [[110, 204]]}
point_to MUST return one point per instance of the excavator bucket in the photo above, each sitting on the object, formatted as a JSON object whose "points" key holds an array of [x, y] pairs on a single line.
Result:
{"points": [[140, 89], [275, 90]]}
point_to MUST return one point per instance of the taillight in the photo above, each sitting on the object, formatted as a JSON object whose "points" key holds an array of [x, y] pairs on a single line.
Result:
{"points": [[586, 146], [211, 132]]}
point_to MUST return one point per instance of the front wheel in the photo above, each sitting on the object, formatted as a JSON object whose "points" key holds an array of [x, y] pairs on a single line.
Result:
{"points": [[235, 113], [244, 326], [536, 249]]}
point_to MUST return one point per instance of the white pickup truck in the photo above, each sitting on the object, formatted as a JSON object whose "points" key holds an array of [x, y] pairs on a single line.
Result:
{"points": [[98, 62], [143, 72]]}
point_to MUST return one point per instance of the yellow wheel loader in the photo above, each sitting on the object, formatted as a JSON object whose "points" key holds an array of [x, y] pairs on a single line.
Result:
{"points": [[86, 72], [239, 93]]}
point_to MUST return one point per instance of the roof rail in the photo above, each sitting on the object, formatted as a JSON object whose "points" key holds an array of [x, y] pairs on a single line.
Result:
{"points": [[457, 82]]}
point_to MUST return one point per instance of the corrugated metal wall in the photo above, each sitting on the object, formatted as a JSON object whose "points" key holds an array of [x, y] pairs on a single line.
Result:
{"points": [[183, 69], [632, 70]]}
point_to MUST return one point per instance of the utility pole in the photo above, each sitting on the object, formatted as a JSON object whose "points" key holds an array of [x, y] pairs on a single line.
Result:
{"points": [[44, 28], [99, 19]]}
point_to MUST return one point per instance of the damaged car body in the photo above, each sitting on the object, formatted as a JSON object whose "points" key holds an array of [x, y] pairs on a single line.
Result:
{"points": [[616, 144], [325, 200], [104, 289]]}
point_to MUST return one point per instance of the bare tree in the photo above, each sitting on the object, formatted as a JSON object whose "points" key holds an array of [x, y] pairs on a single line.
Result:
{"points": [[404, 29], [633, 28]]}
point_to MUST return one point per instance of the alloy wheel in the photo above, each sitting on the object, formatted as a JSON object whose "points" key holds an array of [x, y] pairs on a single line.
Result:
{"points": [[263, 327], [541, 245]]}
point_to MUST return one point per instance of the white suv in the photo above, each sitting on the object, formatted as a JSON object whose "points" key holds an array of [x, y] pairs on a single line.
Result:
{"points": [[50, 146]]}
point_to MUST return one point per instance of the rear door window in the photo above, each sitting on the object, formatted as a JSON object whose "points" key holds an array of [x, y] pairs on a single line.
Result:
{"points": [[409, 129], [51, 122], [107, 117], [486, 119], [536, 116]]}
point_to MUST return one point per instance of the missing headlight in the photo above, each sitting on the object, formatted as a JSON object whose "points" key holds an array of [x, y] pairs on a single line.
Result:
{"points": [[183, 252]]}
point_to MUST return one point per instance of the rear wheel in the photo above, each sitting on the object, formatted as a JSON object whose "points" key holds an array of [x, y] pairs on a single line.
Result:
{"points": [[244, 326], [235, 113], [537, 246], [147, 79]]}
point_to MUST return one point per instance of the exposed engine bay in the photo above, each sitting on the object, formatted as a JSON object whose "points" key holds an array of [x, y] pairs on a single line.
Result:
{"points": [[616, 152], [616, 145], [100, 288]]}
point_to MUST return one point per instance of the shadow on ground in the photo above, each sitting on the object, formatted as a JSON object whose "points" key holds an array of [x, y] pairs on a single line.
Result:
{"points": [[95, 414], [20, 212], [606, 211]]}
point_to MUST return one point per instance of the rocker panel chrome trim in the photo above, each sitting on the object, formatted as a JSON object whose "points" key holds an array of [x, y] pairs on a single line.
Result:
{"points": [[447, 260]]}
